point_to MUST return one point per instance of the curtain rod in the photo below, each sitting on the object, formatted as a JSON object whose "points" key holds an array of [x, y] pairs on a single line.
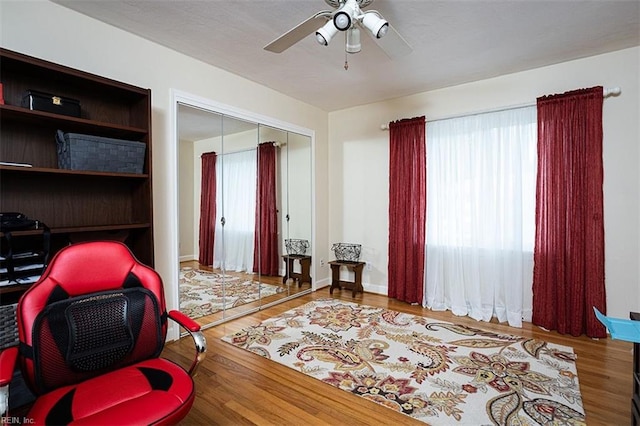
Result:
{"points": [[606, 92], [276, 144]]}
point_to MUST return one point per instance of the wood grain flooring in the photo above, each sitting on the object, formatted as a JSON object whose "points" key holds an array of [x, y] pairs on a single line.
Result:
{"points": [[236, 387]]}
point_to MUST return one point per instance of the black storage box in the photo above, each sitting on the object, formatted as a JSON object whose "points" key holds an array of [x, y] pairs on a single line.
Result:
{"points": [[47, 102], [96, 153]]}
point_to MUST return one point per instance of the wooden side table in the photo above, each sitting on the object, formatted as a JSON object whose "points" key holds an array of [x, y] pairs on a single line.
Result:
{"points": [[304, 276], [355, 285]]}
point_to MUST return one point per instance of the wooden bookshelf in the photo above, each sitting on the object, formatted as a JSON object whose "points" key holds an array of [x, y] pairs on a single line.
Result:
{"points": [[74, 204]]}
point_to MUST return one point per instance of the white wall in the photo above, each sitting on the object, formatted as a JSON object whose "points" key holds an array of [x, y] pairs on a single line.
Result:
{"points": [[358, 171], [46, 30]]}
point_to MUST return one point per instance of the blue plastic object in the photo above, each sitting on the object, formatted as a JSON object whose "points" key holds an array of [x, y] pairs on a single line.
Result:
{"points": [[621, 329]]}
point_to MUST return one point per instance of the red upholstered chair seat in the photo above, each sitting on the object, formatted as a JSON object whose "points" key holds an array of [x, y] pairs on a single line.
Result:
{"points": [[91, 332], [145, 393]]}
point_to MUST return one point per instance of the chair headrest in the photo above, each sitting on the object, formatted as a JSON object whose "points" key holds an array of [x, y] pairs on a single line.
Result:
{"points": [[92, 266], [86, 268]]}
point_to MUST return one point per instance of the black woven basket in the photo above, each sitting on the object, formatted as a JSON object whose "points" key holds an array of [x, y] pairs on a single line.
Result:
{"points": [[8, 326], [346, 252], [85, 152], [296, 246]]}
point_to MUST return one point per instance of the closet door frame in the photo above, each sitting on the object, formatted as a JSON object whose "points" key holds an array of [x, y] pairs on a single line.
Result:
{"points": [[178, 97]]}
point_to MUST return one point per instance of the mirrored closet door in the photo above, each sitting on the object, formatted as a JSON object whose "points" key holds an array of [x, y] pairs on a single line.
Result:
{"points": [[245, 222]]}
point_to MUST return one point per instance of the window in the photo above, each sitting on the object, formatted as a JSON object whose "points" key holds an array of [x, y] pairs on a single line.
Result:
{"points": [[237, 183], [481, 176]]}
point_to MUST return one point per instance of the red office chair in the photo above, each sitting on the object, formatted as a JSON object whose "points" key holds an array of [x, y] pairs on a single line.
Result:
{"points": [[91, 331]]}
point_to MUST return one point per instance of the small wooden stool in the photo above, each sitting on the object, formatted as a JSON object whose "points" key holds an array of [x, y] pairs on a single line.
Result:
{"points": [[304, 276], [355, 285]]}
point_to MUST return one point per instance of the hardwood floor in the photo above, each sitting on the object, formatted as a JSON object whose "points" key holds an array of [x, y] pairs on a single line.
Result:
{"points": [[235, 387]]}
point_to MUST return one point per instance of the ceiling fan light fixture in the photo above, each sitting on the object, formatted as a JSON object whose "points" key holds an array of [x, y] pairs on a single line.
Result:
{"points": [[353, 44], [342, 21], [326, 33], [377, 25], [343, 18]]}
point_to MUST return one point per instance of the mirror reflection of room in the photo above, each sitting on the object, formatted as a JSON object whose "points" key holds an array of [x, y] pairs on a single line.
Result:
{"points": [[244, 190]]}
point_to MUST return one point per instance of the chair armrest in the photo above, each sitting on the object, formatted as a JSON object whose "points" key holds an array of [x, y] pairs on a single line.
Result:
{"points": [[184, 321], [7, 364], [193, 328]]}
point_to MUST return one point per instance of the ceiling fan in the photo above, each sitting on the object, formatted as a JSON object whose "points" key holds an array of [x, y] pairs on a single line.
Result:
{"points": [[346, 17]]}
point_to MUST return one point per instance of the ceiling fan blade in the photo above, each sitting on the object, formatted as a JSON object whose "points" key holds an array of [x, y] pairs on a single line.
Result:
{"points": [[299, 32], [393, 44]]}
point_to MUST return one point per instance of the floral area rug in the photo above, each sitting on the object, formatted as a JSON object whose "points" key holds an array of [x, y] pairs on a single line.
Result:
{"points": [[437, 372], [203, 293]]}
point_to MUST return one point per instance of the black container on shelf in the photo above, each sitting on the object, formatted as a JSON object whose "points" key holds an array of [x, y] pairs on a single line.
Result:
{"points": [[85, 152], [40, 101]]}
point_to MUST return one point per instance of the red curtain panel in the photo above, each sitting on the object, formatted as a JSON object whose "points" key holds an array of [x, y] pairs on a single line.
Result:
{"points": [[568, 276], [207, 208], [265, 258], [407, 208]]}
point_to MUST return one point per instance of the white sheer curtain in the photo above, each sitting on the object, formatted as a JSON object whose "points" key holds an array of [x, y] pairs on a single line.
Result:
{"points": [[236, 200], [481, 175]]}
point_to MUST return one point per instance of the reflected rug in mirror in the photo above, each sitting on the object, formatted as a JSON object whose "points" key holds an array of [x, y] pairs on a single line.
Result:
{"points": [[437, 372], [203, 293]]}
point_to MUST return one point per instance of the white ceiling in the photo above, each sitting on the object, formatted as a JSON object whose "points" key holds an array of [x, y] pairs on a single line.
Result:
{"points": [[453, 41]]}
